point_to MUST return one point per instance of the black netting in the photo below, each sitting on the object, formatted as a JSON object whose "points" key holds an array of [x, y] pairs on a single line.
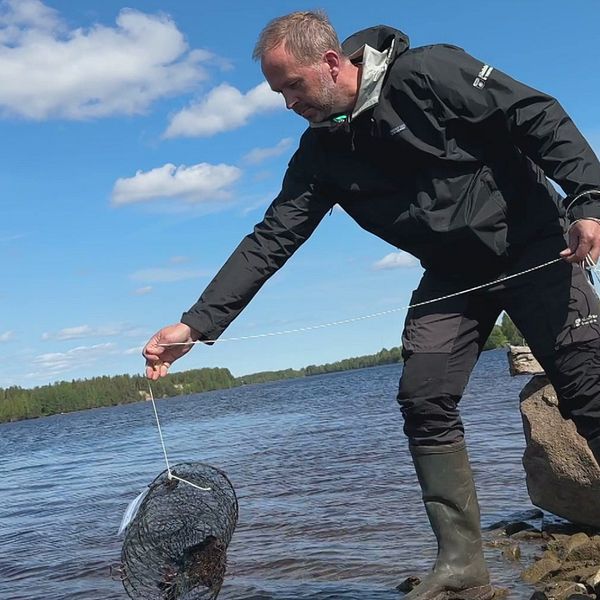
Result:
{"points": [[175, 548]]}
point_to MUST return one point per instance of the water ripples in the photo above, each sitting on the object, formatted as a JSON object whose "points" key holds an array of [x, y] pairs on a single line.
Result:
{"points": [[329, 506]]}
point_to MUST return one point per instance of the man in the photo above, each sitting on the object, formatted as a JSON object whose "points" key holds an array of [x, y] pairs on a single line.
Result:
{"points": [[445, 157]]}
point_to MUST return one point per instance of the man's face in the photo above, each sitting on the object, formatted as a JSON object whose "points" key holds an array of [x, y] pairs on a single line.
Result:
{"points": [[308, 90]]}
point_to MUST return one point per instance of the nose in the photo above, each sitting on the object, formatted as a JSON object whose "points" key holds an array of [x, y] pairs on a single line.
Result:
{"points": [[290, 101]]}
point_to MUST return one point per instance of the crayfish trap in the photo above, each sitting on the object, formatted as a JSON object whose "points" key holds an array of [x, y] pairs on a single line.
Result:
{"points": [[175, 545]]}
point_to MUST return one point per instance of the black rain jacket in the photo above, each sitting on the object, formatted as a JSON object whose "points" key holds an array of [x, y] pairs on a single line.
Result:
{"points": [[447, 162]]}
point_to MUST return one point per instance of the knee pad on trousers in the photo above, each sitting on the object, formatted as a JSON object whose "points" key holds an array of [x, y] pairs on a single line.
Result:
{"points": [[429, 399]]}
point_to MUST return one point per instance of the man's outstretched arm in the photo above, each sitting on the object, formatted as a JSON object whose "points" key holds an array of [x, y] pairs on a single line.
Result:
{"points": [[288, 223]]}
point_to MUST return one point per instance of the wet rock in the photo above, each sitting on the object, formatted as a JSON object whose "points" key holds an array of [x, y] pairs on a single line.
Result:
{"points": [[512, 552], [567, 563], [564, 545], [514, 528], [528, 535], [522, 362], [587, 551], [409, 584], [540, 570], [501, 593], [593, 581], [561, 473], [576, 571], [563, 590], [526, 515]]}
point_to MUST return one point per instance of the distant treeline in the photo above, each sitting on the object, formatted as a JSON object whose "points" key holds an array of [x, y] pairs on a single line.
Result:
{"points": [[18, 403], [503, 334], [383, 357]]}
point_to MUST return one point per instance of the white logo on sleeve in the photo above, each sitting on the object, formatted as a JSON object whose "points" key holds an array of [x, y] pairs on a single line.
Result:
{"points": [[480, 80]]}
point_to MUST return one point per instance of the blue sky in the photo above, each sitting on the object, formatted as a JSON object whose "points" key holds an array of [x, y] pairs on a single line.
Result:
{"points": [[139, 144]]}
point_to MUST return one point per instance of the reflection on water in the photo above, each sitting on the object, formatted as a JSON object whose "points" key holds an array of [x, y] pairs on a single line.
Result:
{"points": [[329, 506]]}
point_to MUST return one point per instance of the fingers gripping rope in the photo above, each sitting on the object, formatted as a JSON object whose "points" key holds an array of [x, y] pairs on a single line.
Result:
{"points": [[373, 315]]}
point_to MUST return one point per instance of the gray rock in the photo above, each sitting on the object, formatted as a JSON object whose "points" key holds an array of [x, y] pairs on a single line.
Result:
{"points": [[561, 472], [522, 362], [562, 590], [593, 581], [540, 570]]}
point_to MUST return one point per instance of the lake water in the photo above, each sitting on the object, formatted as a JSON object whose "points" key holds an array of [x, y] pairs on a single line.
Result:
{"points": [[329, 506]]}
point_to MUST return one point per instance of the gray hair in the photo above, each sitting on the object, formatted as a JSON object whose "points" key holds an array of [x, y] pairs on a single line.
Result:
{"points": [[307, 36]]}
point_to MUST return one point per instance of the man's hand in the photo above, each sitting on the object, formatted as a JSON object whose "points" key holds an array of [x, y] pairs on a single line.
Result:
{"points": [[159, 358], [584, 239]]}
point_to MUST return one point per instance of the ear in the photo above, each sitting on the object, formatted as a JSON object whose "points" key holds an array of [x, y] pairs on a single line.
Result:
{"points": [[333, 60]]}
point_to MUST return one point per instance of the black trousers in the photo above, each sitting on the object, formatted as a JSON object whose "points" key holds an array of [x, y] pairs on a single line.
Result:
{"points": [[557, 310]]}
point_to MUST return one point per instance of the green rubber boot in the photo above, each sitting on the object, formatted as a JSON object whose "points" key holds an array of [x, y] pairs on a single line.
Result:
{"points": [[449, 496]]}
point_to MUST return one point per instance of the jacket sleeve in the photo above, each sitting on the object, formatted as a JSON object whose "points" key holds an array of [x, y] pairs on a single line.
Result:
{"points": [[535, 122], [288, 222]]}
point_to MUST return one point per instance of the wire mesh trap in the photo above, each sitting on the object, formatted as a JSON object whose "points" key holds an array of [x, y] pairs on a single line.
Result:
{"points": [[175, 547]]}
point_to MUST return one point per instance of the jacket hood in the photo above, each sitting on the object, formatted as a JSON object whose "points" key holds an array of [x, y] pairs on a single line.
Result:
{"points": [[380, 37]]}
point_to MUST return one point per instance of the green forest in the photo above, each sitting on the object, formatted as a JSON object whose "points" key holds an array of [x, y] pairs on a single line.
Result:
{"points": [[17, 403]]}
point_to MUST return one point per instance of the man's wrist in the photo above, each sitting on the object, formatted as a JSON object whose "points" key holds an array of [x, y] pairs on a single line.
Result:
{"points": [[594, 219]]}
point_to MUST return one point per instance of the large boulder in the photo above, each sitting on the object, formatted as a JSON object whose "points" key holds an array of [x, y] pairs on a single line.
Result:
{"points": [[561, 472]]}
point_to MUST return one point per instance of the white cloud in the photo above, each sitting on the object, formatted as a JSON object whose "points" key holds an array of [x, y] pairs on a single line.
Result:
{"points": [[135, 350], [82, 356], [50, 71], [7, 336], [17, 14], [85, 331], [259, 155], [396, 260], [143, 291], [197, 183], [166, 275], [224, 108]]}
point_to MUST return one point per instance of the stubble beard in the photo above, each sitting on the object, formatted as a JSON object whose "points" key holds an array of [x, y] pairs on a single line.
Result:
{"points": [[324, 104]]}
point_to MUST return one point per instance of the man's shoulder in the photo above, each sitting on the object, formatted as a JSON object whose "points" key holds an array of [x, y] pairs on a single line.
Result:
{"points": [[421, 54], [423, 61]]}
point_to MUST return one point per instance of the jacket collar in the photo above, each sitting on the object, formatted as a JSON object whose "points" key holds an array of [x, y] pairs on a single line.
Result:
{"points": [[374, 65]]}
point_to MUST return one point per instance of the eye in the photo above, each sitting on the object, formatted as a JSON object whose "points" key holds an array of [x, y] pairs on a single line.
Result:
{"points": [[295, 84]]}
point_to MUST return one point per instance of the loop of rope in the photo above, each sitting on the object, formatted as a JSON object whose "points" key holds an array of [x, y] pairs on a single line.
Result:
{"points": [[162, 442], [587, 193]]}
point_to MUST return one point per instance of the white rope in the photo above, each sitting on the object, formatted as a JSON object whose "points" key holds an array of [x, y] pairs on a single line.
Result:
{"points": [[370, 316], [588, 193], [170, 475], [588, 264]]}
